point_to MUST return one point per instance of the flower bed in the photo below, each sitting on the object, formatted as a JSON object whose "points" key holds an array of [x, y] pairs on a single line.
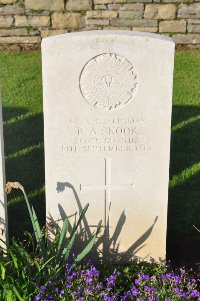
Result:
{"points": [[134, 282], [42, 271]]}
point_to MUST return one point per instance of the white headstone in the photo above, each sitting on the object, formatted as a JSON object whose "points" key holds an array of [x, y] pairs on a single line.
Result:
{"points": [[3, 199], [107, 115]]}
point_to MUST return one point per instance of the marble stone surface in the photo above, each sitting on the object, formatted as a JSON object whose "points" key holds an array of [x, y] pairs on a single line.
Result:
{"points": [[107, 116], [3, 199]]}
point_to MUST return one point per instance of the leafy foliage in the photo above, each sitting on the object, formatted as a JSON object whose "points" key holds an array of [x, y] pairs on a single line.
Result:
{"points": [[23, 271]]}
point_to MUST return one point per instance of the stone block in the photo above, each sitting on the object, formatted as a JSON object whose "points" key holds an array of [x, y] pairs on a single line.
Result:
{"points": [[90, 27], [151, 11], [78, 5], [97, 22], [6, 21], [51, 5], [21, 21], [48, 33], [108, 1], [35, 21], [114, 28], [109, 14], [139, 1], [101, 14], [186, 39], [37, 13], [20, 40], [175, 1], [103, 2], [67, 21], [189, 11], [33, 32], [7, 1], [193, 26], [11, 10], [100, 7], [160, 11], [172, 26], [133, 14], [145, 29], [114, 6], [133, 6], [167, 11], [13, 32], [39, 21], [133, 23]]}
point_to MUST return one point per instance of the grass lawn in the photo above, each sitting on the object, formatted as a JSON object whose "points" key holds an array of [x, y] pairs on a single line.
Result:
{"points": [[20, 79]]}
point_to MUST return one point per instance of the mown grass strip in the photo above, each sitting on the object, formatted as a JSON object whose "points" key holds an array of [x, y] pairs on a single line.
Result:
{"points": [[17, 119], [30, 195], [25, 151], [185, 123], [185, 175]]}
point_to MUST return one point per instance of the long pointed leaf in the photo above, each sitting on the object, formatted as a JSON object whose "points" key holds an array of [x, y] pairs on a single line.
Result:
{"points": [[86, 250], [67, 249], [40, 240], [17, 294], [62, 237], [36, 228], [83, 212], [3, 272], [89, 246], [14, 259], [29, 210]]}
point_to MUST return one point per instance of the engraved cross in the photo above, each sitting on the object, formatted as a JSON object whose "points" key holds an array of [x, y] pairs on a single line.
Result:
{"points": [[107, 187]]}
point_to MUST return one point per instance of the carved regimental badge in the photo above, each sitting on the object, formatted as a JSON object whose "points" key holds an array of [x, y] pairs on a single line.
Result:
{"points": [[108, 81]]}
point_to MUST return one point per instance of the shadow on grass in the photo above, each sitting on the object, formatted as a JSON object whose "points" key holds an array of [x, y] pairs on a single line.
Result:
{"points": [[23, 135], [183, 240], [24, 151]]}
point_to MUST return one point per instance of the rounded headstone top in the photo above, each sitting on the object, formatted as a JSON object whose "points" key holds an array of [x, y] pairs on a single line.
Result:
{"points": [[93, 33]]}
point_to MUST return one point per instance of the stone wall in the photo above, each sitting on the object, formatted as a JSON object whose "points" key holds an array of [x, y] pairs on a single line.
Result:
{"points": [[23, 23]]}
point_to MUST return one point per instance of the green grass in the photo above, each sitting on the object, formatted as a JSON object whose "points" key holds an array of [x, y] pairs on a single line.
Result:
{"points": [[20, 77], [184, 188], [21, 86]]}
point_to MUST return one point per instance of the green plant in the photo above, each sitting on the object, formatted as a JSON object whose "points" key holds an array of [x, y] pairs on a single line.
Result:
{"points": [[177, 3], [37, 11], [31, 28], [171, 34], [188, 2], [22, 272], [83, 13], [21, 3], [17, 269], [159, 20]]}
